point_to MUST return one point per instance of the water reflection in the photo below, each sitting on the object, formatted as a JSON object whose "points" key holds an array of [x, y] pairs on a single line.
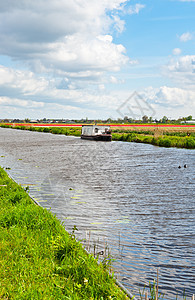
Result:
{"points": [[130, 197]]}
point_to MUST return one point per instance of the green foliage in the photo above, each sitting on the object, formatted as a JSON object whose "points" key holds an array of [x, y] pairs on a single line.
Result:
{"points": [[46, 129], [56, 130], [190, 142], [75, 131], [31, 128], [5, 126], [164, 142]]}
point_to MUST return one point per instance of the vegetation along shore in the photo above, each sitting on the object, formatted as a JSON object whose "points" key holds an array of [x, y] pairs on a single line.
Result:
{"points": [[40, 259], [163, 136]]}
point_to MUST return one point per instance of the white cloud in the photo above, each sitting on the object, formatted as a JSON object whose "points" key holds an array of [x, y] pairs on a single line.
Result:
{"points": [[28, 104], [101, 87], [24, 81], [182, 71], [135, 9], [47, 100], [178, 99], [40, 21], [185, 37], [25, 90], [77, 53], [68, 47], [170, 101], [119, 24], [62, 35], [175, 96], [176, 51], [113, 79], [68, 43]]}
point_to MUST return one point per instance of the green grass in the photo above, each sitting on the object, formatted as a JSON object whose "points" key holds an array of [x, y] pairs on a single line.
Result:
{"points": [[162, 141], [75, 131], [39, 259]]}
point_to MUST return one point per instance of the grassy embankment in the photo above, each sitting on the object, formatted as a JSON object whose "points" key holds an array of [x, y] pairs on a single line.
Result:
{"points": [[180, 137], [39, 259], [75, 131]]}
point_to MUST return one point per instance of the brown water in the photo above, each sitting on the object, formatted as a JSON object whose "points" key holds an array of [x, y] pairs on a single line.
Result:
{"points": [[130, 198]]}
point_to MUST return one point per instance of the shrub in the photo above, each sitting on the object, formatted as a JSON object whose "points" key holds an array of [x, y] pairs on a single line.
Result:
{"points": [[46, 129], [56, 130], [164, 142], [190, 143]]}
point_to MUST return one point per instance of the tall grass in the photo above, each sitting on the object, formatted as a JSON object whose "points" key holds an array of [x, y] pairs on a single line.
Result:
{"points": [[39, 259]]}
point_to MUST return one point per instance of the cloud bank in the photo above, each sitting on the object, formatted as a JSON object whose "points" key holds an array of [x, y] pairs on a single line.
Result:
{"points": [[66, 45], [62, 36], [64, 54]]}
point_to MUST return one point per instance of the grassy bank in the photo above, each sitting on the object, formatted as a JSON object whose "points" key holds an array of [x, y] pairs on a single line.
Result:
{"points": [[39, 259], [173, 140], [158, 136], [75, 131]]}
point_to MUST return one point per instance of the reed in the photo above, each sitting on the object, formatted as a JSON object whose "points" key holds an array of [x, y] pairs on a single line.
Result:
{"points": [[153, 293]]}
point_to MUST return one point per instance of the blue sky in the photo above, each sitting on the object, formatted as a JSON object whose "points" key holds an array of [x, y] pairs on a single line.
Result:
{"points": [[79, 58]]}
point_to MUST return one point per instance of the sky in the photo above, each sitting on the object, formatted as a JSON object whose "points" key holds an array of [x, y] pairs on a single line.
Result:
{"points": [[97, 59]]}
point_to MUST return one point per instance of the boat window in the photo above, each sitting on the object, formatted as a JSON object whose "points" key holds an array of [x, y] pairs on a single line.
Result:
{"points": [[96, 130]]}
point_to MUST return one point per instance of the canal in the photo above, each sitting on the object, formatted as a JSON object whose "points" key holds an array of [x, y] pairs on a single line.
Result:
{"points": [[129, 201]]}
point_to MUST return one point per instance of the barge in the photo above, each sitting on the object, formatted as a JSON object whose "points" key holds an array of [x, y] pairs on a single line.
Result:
{"points": [[96, 132]]}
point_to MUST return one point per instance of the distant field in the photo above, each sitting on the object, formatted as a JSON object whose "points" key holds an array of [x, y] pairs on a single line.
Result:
{"points": [[156, 129]]}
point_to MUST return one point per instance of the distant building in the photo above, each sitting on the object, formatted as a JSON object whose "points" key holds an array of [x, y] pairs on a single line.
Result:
{"points": [[33, 121], [188, 121]]}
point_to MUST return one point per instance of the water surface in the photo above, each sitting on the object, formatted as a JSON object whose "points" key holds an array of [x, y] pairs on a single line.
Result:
{"points": [[129, 198]]}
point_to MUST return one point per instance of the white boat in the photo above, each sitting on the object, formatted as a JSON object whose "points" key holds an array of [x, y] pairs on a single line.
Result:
{"points": [[96, 132]]}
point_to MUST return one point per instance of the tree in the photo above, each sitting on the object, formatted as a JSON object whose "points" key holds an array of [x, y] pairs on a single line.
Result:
{"points": [[145, 119], [189, 118], [109, 120], [126, 119], [164, 119]]}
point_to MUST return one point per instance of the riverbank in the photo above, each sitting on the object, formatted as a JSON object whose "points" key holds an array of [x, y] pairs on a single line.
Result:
{"points": [[39, 259], [163, 136], [167, 140]]}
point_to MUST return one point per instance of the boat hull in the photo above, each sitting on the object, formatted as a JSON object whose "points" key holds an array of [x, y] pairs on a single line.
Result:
{"points": [[98, 137]]}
